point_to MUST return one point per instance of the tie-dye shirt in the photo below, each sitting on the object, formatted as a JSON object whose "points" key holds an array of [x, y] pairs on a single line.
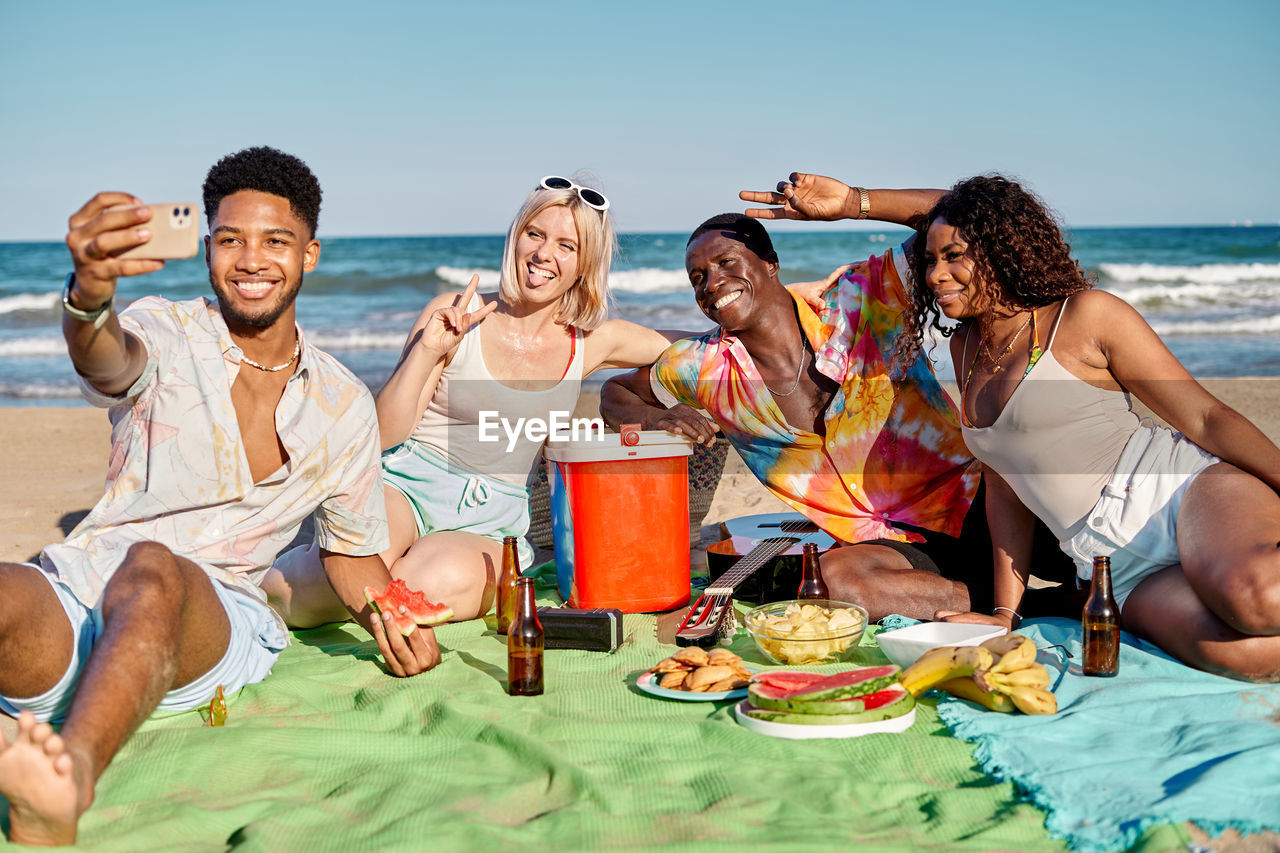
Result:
{"points": [[178, 473], [892, 454]]}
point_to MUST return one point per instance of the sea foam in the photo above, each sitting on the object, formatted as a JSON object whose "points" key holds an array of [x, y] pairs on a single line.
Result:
{"points": [[1204, 274], [30, 302]]}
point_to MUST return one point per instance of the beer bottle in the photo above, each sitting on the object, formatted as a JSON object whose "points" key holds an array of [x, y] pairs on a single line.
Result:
{"points": [[524, 644], [811, 583], [1101, 623], [507, 578]]}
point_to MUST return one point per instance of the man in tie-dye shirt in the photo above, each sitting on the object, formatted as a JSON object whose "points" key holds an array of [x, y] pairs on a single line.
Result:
{"points": [[228, 430], [804, 394]]}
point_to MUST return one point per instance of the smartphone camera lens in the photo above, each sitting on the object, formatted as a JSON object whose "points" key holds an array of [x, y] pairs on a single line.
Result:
{"points": [[176, 214], [186, 211]]}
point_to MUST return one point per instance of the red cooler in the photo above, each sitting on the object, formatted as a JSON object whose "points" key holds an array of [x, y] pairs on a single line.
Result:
{"points": [[620, 517]]}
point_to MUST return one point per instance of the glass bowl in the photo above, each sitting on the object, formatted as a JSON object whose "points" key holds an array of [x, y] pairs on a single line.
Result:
{"points": [[809, 642]]}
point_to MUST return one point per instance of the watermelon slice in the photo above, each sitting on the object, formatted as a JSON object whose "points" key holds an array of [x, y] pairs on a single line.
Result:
{"points": [[766, 698], [886, 704], [405, 609], [787, 680], [810, 687]]}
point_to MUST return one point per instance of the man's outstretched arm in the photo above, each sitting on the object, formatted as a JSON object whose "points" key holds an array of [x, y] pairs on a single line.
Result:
{"points": [[817, 198], [629, 399]]}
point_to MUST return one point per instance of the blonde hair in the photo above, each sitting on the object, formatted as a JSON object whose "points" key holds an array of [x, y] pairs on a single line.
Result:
{"points": [[586, 303]]}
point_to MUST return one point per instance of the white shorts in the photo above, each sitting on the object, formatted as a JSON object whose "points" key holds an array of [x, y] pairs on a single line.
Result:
{"points": [[1135, 521], [257, 638]]}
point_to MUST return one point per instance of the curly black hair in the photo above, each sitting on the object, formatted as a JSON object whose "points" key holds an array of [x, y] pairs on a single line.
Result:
{"points": [[1018, 252], [267, 170], [750, 232]]}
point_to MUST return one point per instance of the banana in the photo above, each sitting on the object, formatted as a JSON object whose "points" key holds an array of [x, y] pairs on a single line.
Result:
{"points": [[967, 688], [1034, 700], [1014, 650], [1032, 676], [944, 663]]}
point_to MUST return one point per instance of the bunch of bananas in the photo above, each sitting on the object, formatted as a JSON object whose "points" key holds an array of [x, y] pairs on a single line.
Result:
{"points": [[1001, 674]]}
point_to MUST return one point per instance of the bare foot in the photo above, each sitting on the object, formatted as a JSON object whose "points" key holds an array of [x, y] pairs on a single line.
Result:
{"points": [[38, 776]]}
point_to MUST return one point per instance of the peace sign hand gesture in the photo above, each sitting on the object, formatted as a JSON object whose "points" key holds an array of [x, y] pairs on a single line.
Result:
{"points": [[445, 327], [805, 197]]}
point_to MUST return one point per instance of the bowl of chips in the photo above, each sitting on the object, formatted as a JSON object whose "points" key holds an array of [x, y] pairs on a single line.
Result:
{"points": [[814, 630]]}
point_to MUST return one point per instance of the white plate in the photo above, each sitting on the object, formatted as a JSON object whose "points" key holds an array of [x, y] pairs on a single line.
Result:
{"points": [[649, 684], [797, 731]]}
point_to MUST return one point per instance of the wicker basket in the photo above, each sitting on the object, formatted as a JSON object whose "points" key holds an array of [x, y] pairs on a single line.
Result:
{"points": [[705, 467]]}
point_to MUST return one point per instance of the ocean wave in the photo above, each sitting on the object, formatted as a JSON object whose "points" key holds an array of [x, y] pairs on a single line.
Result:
{"points": [[42, 346], [1236, 293], [358, 339], [30, 302], [648, 280], [38, 391], [1264, 325], [1205, 274], [461, 276]]}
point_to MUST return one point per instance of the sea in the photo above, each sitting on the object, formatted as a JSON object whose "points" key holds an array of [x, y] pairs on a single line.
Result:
{"points": [[1212, 293]]}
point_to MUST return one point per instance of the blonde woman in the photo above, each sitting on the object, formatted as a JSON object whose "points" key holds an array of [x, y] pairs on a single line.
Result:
{"points": [[456, 452]]}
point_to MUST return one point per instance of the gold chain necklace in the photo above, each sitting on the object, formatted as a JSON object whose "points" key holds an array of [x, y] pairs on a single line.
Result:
{"points": [[995, 361], [297, 348]]}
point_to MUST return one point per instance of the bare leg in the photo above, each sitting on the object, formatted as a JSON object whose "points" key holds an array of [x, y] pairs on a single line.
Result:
{"points": [[883, 581], [163, 628], [456, 569], [297, 587], [1219, 610]]}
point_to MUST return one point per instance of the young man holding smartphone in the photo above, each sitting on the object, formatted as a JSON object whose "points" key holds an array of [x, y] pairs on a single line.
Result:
{"points": [[228, 430]]}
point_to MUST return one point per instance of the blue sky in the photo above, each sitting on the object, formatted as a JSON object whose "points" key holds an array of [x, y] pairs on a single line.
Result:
{"points": [[437, 118]]}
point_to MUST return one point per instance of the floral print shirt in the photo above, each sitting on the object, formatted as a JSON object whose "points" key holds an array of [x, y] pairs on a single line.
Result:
{"points": [[178, 473]]}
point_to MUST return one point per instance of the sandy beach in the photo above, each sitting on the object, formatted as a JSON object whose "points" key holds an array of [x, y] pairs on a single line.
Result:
{"points": [[57, 460], [57, 457]]}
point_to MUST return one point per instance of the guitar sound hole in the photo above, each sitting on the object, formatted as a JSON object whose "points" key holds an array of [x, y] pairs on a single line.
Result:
{"points": [[798, 527]]}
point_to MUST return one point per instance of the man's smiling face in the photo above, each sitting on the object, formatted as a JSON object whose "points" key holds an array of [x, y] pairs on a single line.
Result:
{"points": [[726, 277]]}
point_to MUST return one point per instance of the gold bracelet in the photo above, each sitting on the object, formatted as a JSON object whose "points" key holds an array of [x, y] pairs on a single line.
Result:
{"points": [[864, 202]]}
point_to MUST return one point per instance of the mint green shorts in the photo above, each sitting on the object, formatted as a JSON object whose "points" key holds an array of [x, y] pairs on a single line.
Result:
{"points": [[445, 497]]}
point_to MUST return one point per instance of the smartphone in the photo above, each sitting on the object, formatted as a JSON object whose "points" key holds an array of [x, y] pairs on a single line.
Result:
{"points": [[175, 231]]}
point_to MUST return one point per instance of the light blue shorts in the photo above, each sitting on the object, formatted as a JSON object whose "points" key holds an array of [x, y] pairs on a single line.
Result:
{"points": [[1135, 522], [444, 496], [257, 637]]}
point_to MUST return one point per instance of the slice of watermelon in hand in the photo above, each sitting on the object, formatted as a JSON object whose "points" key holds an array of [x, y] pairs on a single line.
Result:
{"points": [[405, 609]]}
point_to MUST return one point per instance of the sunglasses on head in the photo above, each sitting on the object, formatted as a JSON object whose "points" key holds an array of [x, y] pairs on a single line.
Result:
{"points": [[590, 197]]}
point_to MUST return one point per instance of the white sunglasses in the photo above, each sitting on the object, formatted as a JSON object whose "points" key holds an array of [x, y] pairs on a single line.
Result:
{"points": [[590, 197]]}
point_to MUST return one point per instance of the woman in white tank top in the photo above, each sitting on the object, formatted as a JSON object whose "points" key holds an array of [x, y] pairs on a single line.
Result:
{"points": [[1045, 366], [454, 480]]}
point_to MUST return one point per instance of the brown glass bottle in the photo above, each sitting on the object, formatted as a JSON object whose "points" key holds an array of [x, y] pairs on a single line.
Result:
{"points": [[1101, 623], [507, 577], [811, 583], [525, 642]]}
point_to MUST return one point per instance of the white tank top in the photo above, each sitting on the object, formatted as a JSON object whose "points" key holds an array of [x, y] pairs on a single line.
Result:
{"points": [[469, 405], [1057, 441]]}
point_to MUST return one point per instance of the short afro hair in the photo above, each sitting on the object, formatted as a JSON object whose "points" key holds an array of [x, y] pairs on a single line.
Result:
{"points": [[750, 232], [266, 170]]}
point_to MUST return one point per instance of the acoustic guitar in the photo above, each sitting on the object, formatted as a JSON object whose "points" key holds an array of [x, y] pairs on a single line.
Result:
{"points": [[778, 578], [771, 545]]}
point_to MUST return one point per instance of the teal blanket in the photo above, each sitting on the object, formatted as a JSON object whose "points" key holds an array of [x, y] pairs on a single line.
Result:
{"points": [[1158, 743]]}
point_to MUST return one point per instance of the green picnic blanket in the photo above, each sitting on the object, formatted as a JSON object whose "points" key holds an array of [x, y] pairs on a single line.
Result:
{"points": [[330, 753]]}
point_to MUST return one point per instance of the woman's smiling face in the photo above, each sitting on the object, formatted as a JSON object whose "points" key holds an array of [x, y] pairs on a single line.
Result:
{"points": [[949, 271]]}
